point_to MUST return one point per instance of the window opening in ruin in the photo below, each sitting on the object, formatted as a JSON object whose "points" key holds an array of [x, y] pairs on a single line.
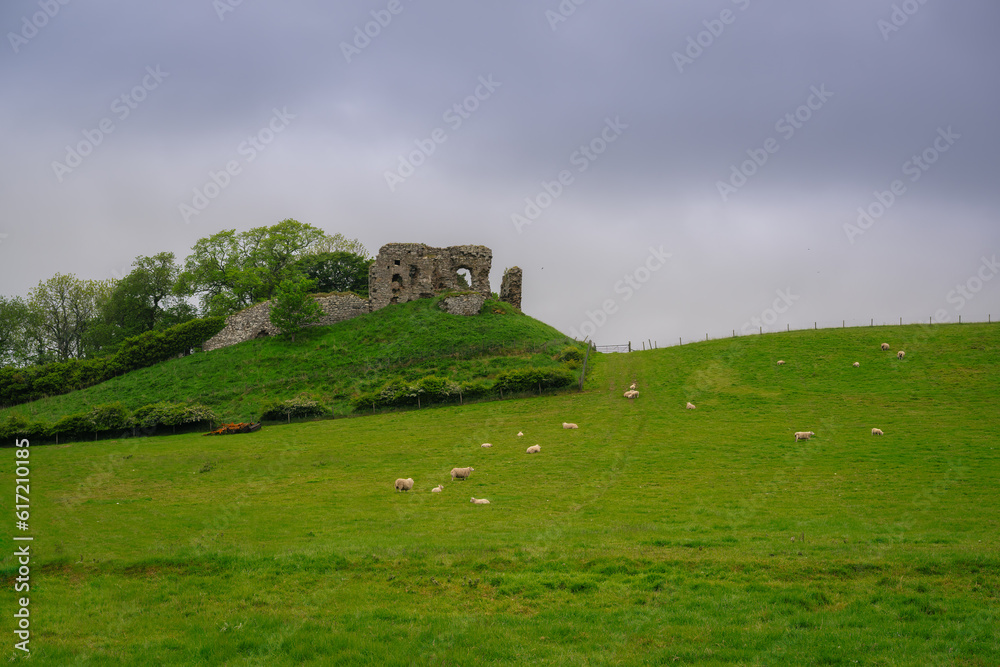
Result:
{"points": [[395, 262], [414, 271], [464, 277]]}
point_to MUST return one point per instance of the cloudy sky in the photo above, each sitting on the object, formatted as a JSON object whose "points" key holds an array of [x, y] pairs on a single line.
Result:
{"points": [[658, 170]]}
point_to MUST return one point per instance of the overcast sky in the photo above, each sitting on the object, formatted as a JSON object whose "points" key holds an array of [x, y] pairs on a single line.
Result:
{"points": [[660, 170]]}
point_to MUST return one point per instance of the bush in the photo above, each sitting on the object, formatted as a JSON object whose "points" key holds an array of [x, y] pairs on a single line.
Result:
{"points": [[73, 426], [171, 414], [110, 416], [528, 379], [18, 426], [570, 353], [300, 406]]}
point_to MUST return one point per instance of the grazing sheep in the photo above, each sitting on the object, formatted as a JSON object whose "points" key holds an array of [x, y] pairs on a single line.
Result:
{"points": [[900, 354], [877, 431], [438, 489], [885, 346], [857, 364], [461, 473], [803, 435], [690, 405], [781, 362], [534, 449], [519, 434], [568, 425], [632, 386], [479, 501], [404, 484], [486, 445], [631, 393]]}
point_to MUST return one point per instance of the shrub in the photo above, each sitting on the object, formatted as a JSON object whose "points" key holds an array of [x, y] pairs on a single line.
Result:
{"points": [[300, 406], [110, 416], [570, 353], [73, 426], [171, 414], [18, 426], [527, 379]]}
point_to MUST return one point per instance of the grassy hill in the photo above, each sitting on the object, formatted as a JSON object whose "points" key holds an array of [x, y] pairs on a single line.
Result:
{"points": [[653, 534], [408, 341]]}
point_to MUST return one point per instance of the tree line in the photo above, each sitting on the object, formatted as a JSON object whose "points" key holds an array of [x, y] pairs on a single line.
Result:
{"points": [[65, 317]]}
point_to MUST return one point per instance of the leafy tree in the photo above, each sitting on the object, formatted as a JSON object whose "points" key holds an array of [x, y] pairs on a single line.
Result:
{"points": [[232, 270], [340, 243], [293, 307], [15, 324], [337, 271], [64, 308]]}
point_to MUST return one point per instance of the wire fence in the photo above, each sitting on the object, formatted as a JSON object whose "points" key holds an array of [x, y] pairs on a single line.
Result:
{"points": [[652, 344]]}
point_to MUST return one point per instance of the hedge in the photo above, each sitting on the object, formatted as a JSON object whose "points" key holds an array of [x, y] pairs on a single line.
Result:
{"points": [[20, 385]]}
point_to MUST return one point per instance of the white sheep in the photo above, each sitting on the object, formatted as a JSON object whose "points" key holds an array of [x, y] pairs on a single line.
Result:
{"points": [[631, 393], [885, 346], [534, 449], [438, 489], [568, 425], [900, 354], [781, 362], [877, 431], [632, 386], [461, 473], [857, 364], [486, 445], [479, 501], [519, 434], [690, 406], [803, 435], [404, 484]]}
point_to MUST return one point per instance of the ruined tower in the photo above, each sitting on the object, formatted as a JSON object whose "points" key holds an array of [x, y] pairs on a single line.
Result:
{"points": [[406, 271]]}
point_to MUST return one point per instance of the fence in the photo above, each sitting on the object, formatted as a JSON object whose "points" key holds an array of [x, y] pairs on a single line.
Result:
{"points": [[653, 344]]}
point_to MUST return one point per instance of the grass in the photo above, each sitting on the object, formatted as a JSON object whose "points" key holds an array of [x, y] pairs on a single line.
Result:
{"points": [[653, 534], [332, 363]]}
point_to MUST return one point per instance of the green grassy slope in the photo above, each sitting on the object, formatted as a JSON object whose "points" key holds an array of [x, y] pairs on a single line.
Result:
{"points": [[411, 340], [653, 534]]}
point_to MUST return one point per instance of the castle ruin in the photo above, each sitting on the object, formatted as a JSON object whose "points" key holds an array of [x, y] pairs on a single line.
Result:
{"points": [[401, 272]]}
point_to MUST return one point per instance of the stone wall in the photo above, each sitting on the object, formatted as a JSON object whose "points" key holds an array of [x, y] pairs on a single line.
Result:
{"points": [[463, 304], [510, 288], [406, 271], [255, 321]]}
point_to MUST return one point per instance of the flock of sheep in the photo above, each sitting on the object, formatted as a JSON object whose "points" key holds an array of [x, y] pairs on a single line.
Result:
{"points": [[631, 393], [464, 473], [805, 435]]}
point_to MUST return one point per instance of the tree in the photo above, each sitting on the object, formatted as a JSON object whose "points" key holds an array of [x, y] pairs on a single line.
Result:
{"points": [[340, 243], [15, 327], [230, 271], [64, 309], [144, 300], [293, 307], [337, 271]]}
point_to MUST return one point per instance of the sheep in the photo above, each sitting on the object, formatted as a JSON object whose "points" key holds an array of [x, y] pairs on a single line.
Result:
{"points": [[534, 449], [486, 445], [803, 435], [690, 405], [632, 386], [568, 425], [461, 473], [479, 501], [631, 393], [885, 346], [877, 431], [900, 354], [404, 484], [438, 489], [781, 362], [519, 434], [857, 364]]}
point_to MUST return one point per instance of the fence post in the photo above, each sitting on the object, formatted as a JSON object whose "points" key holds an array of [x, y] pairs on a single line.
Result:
{"points": [[630, 346], [679, 341]]}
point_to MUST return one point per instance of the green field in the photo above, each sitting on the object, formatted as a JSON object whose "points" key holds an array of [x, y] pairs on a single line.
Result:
{"points": [[651, 535]]}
